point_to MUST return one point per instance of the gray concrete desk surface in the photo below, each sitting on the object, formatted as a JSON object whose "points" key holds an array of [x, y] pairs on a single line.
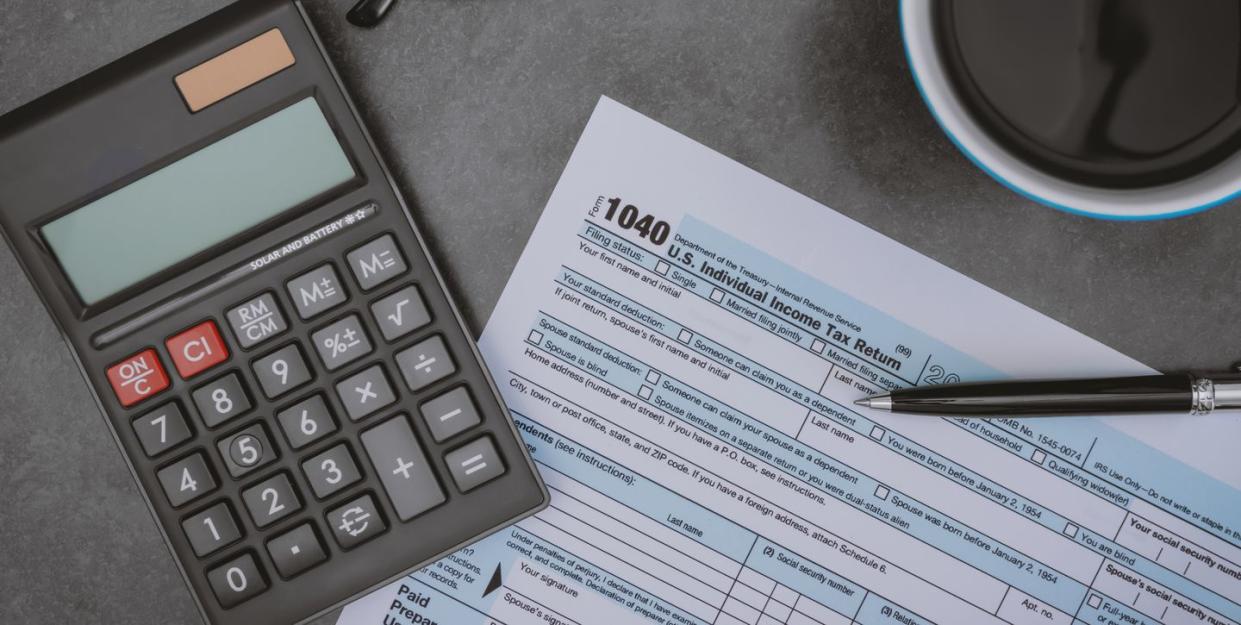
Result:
{"points": [[477, 105]]}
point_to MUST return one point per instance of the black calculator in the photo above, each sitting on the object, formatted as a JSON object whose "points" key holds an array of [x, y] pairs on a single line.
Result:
{"points": [[218, 240]]}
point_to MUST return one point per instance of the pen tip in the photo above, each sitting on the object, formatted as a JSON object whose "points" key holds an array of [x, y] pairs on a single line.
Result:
{"points": [[865, 401]]}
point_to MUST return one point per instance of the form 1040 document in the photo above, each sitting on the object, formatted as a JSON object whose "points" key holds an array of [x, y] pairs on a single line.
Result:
{"points": [[681, 344]]}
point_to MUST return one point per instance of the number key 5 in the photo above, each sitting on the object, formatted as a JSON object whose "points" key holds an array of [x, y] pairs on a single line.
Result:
{"points": [[246, 450]]}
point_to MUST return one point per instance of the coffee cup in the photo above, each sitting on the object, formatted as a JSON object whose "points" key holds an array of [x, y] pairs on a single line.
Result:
{"points": [[1117, 109]]}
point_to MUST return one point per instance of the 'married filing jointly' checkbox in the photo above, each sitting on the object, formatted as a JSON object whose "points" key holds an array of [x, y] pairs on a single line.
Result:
{"points": [[817, 346], [882, 492], [685, 336], [717, 295], [536, 337], [652, 376], [662, 268], [1038, 456], [644, 392]]}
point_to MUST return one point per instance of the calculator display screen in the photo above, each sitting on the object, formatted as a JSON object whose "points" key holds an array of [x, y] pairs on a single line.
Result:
{"points": [[198, 201]]}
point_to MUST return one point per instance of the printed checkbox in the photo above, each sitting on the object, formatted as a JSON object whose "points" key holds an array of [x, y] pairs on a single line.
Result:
{"points": [[536, 337], [817, 346], [882, 492], [662, 268], [644, 392], [685, 336], [1070, 530], [652, 376], [877, 433], [717, 295], [1038, 456], [1094, 601]]}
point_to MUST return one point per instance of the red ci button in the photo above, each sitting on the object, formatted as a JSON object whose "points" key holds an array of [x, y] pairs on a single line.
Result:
{"points": [[197, 349], [137, 377]]}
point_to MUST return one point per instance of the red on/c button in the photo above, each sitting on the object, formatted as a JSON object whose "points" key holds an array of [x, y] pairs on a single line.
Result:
{"points": [[137, 377], [197, 349]]}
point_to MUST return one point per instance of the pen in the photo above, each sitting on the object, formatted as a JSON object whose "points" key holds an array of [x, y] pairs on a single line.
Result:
{"points": [[1183, 393]]}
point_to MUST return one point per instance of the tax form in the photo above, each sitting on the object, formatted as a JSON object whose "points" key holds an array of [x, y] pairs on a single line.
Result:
{"points": [[681, 344]]}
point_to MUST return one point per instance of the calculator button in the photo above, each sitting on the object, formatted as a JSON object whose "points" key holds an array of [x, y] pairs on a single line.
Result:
{"points": [[306, 421], [331, 471], [256, 320], [341, 343], [211, 529], [197, 349], [450, 414], [425, 363], [236, 581], [271, 500], [474, 464], [376, 262], [295, 551], [355, 522], [402, 468], [281, 371], [137, 377], [162, 429], [400, 313], [221, 400], [316, 291], [365, 392], [186, 480], [246, 450]]}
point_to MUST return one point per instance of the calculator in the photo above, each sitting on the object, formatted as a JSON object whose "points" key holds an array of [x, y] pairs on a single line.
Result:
{"points": [[214, 233]]}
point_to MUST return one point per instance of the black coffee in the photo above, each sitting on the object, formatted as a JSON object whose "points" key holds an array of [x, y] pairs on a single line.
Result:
{"points": [[1114, 93]]}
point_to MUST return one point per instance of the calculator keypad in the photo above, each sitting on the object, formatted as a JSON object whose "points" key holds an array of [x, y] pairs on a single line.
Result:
{"points": [[221, 400], [316, 291], [186, 480], [425, 363], [271, 500], [138, 377], [295, 551], [376, 262], [331, 471], [402, 468], [355, 522], [211, 530], [306, 421], [341, 343], [236, 580], [348, 476], [256, 320], [400, 313], [281, 371], [162, 429], [365, 393], [197, 349], [247, 450]]}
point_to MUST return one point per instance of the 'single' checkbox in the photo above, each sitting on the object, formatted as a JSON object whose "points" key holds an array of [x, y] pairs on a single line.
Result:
{"points": [[877, 433], [644, 392], [652, 376], [536, 337], [1094, 601], [685, 336], [1070, 530], [717, 295], [662, 268], [1038, 456], [882, 492], [817, 346]]}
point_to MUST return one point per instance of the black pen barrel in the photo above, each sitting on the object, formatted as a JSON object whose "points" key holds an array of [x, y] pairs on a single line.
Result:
{"points": [[1153, 393]]}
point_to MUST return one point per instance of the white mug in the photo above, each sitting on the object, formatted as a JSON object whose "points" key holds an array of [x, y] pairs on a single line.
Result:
{"points": [[1215, 185]]}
